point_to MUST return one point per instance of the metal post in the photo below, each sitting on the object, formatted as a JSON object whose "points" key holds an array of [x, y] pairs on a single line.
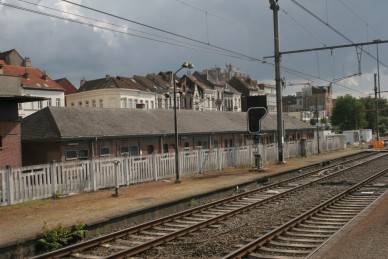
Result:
{"points": [[317, 113], [279, 106], [377, 109], [177, 173], [188, 65]]}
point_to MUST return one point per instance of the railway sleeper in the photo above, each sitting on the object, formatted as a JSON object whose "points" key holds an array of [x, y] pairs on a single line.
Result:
{"points": [[152, 233], [299, 240], [79, 255], [142, 237], [334, 213], [267, 256], [330, 219], [307, 230], [165, 229], [286, 244], [284, 251], [320, 226], [205, 215], [325, 216], [322, 222], [322, 236], [178, 226], [115, 247], [129, 242], [196, 219]]}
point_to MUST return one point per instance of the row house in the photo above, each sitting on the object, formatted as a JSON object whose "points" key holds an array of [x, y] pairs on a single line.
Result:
{"points": [[76, 133], [310, 102], [221, 75], [112, 92], [33, 82], [248, 87]]}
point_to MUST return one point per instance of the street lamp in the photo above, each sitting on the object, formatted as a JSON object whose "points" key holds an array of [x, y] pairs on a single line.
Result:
{"points": [[188, 65], [274, 6]]}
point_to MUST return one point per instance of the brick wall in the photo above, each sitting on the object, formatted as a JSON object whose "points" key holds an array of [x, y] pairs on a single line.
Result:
{"points": [[10, 149]]}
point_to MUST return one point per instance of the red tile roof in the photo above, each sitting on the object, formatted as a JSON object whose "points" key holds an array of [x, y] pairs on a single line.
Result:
{"points": [[31, 77]]}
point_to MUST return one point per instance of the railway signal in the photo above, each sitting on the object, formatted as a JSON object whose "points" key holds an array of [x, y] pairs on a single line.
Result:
{"points": [[255, 115]]}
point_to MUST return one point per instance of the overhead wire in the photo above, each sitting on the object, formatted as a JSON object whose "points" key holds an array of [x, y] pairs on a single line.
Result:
{"points": [[333, 29], [171, 42], [158, 29], [242, 56]]}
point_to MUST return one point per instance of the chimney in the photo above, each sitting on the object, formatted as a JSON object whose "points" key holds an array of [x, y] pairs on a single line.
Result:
{"points": [[25, 75], [44, 76], [27, 62], [82, 81]]}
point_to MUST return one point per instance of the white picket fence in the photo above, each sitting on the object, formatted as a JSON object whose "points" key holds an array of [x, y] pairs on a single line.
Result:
{"points": [[43, 181]]}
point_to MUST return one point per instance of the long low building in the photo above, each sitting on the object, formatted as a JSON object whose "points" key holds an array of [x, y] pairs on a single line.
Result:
{"points": [[71, 133]]}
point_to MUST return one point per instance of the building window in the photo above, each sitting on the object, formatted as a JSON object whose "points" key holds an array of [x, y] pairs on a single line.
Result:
{"points": [[71, 155], [80, 104], [147, 105], [40, 104], [152, 105], [94, 103], [86, 103], [133, 150], [58, 102], [104, 151], [130, 103], [215, 143], [72, 104], [83, 154], [150, 149], [48, 102], [20, 105], [101, 103], [124, 151], [205, 144], [165, 148]]}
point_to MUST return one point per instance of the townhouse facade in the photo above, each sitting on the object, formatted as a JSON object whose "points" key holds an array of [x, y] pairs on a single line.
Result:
{"points": [[33, 82], [311, 102]]}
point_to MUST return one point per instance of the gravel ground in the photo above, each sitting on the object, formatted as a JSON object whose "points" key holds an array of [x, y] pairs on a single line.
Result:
{"points": [[218, 241]]}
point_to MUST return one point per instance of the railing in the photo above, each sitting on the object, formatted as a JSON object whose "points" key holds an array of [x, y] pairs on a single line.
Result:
{"points": [[43, 181]]}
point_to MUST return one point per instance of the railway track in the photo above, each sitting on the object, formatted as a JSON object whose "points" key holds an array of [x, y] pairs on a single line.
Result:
{"points": [[303, 235], [137, 239]]}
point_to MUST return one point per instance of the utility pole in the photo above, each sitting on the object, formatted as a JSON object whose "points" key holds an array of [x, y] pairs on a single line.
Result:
{"points": [[279, 106], [377, 109]]}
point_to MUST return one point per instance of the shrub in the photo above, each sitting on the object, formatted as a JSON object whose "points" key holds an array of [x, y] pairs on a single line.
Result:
{"points": [[60, 236]]}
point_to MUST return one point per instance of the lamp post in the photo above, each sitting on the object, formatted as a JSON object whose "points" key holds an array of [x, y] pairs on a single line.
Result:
{"points": [[274, 6], [188, 65]]}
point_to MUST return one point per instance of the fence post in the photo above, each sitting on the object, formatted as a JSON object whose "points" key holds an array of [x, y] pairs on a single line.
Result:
{"points": [[54, 182], [219, 159], [93, 174], [154, 169], [125, 169], [10, 184], [116, 173], [199, 160]]}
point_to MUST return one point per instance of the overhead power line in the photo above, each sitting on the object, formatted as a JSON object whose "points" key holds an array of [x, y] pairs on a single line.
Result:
{"points": [[333, 29], [161, 30]]}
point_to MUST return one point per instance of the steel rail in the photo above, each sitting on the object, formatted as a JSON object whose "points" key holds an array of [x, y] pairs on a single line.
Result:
{"points": [[135, 229], [255, 244]]}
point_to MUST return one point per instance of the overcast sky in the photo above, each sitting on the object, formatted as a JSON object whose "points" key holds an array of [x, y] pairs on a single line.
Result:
{"points": [[215, 33]]}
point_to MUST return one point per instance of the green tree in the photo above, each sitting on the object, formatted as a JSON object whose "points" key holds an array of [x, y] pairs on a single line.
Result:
{"points": [[370, 116], [349, 113]]}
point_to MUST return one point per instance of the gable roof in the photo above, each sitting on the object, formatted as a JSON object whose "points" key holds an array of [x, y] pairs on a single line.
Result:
{"points": [[31, 77], [61, 123], [67, 86]]}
